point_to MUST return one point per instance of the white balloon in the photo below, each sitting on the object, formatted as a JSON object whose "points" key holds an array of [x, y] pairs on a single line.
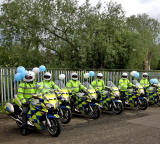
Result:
{"points": [[36, 70], [132, 73], [62, 76], [86, 75]]}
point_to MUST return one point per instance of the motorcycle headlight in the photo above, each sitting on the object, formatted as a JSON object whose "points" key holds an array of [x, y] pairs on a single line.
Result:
{"points": [[48, 105], [141, 91], [56, 105], [92, 97], [116, 94], [63, 99]]}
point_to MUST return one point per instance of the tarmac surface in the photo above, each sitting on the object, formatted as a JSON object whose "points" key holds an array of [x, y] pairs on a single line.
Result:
{"points": [[131, 127]]}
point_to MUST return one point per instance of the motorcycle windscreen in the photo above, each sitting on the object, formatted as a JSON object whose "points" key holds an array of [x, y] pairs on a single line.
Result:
{"points": [[88, 85], [110, 84], [60, 84]]}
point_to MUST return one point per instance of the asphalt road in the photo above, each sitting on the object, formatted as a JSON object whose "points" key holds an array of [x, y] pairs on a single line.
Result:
{"points": [[131, 127]]}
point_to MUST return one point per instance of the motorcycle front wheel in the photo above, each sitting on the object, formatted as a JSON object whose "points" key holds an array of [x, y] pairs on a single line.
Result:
{"points": [[118, 108], [94, 112], [66, 116], [55, 128], [143, 104]]}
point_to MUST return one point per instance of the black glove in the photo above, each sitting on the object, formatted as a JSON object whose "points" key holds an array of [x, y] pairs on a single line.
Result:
{"points": [[26, 104]]}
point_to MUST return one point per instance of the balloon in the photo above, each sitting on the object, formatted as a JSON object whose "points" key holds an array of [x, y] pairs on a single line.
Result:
{"points": [[17, 76], [132, 73], [36, 70], [156, 81], [42, 68], [86, 75], [23, 74], [62, 76], [136, 75], [91, 73], [151, 81], [20, 69]]}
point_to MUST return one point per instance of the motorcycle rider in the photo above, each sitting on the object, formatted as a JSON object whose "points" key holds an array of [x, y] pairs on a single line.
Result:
{"points": [[98, 83], [74, 84], [26, 89], [144, 81], [47, 84], [124, 83]]}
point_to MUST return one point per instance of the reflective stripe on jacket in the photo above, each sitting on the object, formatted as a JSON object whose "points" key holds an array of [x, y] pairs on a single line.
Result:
{"points": [[98, 83], [144, 82], [46, 86], [75, 86], [26, 90], [124, 84]]}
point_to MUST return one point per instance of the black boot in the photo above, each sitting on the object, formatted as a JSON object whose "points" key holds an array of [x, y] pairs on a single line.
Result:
{"points": [[24, 131]]}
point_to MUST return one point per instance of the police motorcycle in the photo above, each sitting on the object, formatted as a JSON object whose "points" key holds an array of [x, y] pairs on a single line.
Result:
{"points": [[110, 99], [86, 103], [42, 114], [135, 97], [64, 101], [153, 92]]}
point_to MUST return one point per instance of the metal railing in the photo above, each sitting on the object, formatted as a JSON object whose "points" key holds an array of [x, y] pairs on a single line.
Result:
{"points": [[8, 87]]}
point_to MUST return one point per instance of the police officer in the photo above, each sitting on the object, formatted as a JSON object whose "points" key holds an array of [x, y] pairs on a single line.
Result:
{"points": [[144, 81], [124, 83], [98, 83], [25, 91], [47, 84]]}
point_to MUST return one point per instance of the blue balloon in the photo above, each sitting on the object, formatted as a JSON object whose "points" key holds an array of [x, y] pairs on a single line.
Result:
{"points": [[151, 81], [23, 74], [20, 69], [18, 77], [42, 68], [136, 75], [91, 73], [156, 81]]}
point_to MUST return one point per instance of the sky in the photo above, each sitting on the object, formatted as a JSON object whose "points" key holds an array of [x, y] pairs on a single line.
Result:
{"points": [[133, 7], [151, 7]]}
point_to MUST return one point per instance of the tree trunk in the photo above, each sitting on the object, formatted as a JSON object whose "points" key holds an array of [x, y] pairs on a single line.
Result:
{"points": [[148, 60]]}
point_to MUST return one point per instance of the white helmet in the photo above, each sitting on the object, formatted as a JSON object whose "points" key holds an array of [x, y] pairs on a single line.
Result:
{"points": [[74, 76], [47, 76], [145, 75], [124, 75], [62, 76], [99, 75], [30, 76], [86, 75]]}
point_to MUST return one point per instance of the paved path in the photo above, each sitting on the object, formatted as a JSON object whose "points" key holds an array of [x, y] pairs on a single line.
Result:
{"points": [[131, 127]]}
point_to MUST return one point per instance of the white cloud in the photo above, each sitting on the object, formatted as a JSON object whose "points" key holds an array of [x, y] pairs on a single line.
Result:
{"points": [[151, 7]]}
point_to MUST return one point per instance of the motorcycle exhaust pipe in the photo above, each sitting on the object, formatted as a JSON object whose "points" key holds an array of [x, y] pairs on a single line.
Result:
{"points": [[16, 119]]}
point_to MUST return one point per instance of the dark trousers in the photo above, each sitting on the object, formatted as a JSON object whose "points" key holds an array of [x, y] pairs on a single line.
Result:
{"points": [[24, 116]]}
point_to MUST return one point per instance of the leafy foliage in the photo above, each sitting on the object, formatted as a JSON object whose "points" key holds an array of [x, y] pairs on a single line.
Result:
{"points": [[62, 34]]}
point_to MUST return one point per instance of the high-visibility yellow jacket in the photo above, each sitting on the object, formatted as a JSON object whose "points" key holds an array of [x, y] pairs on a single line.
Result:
{"points": [[124, 84], [26, 90], [75, 86], [98, 84], [144, 82], [46, 86]]}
